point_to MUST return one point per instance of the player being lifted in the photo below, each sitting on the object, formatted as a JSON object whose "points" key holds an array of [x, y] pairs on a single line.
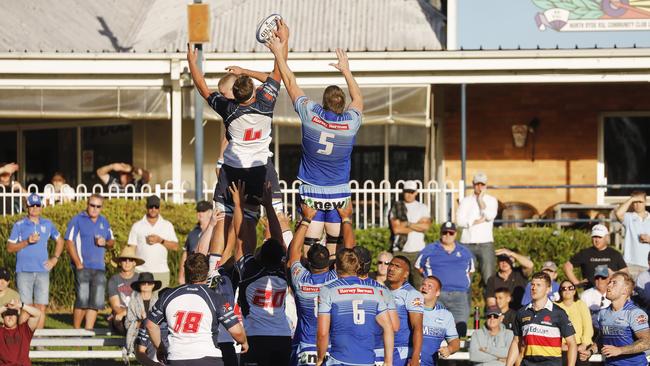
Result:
{"points": [[247, 119], [328, 134]]}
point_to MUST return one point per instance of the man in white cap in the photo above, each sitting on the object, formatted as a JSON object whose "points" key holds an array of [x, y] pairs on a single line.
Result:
{"points": [[409, 220], [637, 232], [475, 215], [598, 254]]}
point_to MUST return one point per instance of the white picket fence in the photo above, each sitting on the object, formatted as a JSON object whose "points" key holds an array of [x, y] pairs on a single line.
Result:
{"points": [[370, 200]]}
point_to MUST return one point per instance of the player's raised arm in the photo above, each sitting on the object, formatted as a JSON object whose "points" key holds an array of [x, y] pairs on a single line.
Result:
{"points": [[277, 47], [298, 241], [238, 192], [257, 75], [197, 76], [283, 34], [346, 225], [344, 67]]}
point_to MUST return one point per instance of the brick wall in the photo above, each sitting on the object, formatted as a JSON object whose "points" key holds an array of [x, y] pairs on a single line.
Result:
{"points": [[566, 140]]}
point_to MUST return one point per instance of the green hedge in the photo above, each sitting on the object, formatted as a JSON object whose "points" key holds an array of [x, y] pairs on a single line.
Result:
{"points": [[541, 244]]}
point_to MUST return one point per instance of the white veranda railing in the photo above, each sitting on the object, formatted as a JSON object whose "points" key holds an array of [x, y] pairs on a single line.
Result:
{"points": [[371, 200]]}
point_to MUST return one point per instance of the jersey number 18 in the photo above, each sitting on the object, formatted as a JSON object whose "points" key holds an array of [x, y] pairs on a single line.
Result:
{"points": [[187, 321]]}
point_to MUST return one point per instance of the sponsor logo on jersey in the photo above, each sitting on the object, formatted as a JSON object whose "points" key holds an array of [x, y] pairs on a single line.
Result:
{"points": [[642, 319], [416, 302], [227, 307], [356, 291], [525, 319], [309, 288], [330, 126]]}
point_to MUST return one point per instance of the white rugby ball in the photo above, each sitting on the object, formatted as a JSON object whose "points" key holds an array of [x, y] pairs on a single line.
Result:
{"points": [[266, 27]]}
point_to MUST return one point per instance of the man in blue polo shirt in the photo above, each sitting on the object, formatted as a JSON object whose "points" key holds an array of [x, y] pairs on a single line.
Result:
{"points": [[28, 239], [453, 264], [623, 327], [87, 237]]}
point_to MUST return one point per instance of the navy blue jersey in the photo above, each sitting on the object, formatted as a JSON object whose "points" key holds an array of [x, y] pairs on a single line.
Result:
{"points": [[193, 313], [248, 128]]}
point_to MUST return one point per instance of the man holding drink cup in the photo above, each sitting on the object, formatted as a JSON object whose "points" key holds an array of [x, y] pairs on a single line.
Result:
{"points": [[87, 237]]}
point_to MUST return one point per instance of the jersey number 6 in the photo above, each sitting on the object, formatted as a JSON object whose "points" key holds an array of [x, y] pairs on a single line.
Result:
{"points": [[329, 146], [187, 321], [358, 315]]}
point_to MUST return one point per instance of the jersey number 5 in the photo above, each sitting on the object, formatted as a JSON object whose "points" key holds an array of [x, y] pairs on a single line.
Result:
{"points": [[329, 146], [187, 321]]}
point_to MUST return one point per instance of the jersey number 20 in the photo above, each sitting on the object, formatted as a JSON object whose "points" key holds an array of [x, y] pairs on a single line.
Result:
{"points": [[329, 146], [187, 321]]}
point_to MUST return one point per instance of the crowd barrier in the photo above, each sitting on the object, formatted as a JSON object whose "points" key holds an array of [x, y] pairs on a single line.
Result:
{"points": [[371, 200]]}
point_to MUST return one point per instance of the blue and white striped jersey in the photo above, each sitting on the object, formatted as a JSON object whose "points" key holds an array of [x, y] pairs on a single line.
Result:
{"points": [[353, 305], [327, 142]]}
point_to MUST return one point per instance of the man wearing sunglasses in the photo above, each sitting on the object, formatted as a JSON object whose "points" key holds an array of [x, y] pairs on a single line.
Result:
{"points": [[28, 239], [489, 345], [152, 237], [453, 264], [86, 238]]}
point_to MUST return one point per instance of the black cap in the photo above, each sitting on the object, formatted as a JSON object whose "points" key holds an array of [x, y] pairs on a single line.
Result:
{"points": [[9, 312], [145, 277], [5, 274], [504, 258], [364, 257], [448, 226], [203, 206], [493, 310], [153, 201], [318, 256]]}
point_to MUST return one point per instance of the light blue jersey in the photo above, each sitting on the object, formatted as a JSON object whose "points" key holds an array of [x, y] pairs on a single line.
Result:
{"points": [[306, 286], [353, 305], [617, 328], [327, 142], [438, 325], [32, 258], [407, 300]]}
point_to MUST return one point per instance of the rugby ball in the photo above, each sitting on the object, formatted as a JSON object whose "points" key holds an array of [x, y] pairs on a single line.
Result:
{"points": [[266, 27]]}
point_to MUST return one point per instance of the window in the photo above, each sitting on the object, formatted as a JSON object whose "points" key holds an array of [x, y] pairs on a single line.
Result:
{"points": [[104, 145], [626, 152]]}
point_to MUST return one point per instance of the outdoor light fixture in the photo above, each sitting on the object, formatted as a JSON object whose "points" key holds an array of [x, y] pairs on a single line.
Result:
{"points": [[519, 134]]}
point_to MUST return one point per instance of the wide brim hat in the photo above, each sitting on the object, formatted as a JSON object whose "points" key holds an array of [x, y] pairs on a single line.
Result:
{"points": [[145, 277], [127, 252]]}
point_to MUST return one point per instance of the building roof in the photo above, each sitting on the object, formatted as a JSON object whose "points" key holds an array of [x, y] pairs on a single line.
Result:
{"points": [[144, 26]]}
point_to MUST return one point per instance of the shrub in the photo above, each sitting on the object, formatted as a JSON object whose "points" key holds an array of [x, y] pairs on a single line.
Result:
{"points": [[540, 244]]}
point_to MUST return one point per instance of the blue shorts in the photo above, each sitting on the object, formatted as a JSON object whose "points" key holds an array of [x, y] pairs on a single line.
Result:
{"points": [[333, 362], [303, 354], [326, 200], [90, 288], [33, 287]]}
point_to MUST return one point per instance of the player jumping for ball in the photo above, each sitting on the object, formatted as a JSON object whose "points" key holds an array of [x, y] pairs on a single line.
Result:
{"points": [[328, 134]]}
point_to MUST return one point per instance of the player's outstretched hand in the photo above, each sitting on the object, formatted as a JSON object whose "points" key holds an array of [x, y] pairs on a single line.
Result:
{"points": [[275, 45], [217, 216], [235, 70], [345, 211], [267, 195], [307, 211], [343, 64], [244, 347], [283, 31], [238, 192], [192, 54]]}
